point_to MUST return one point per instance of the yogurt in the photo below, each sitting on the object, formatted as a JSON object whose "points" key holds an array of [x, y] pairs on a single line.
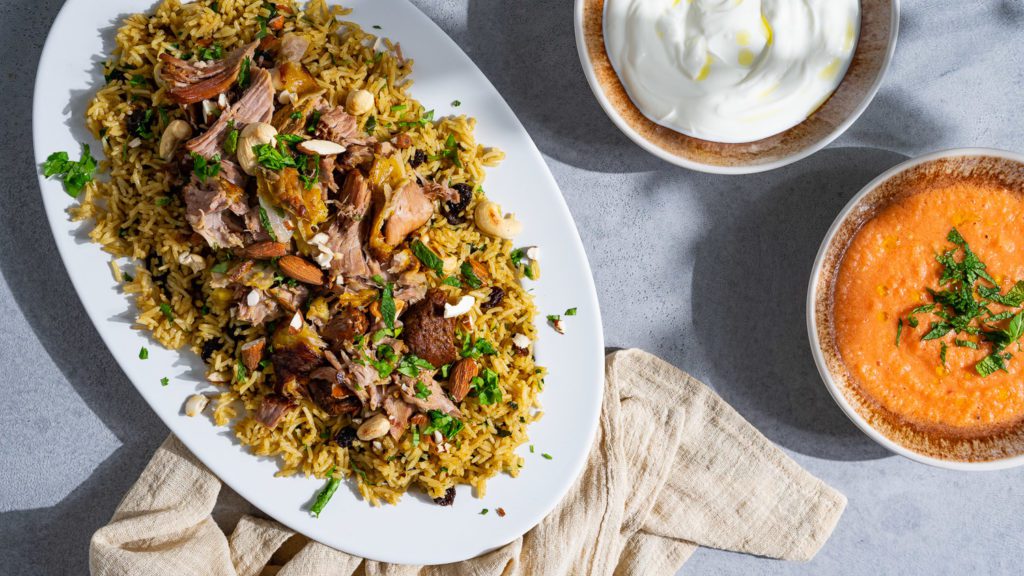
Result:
{"points": [[730, 70]]}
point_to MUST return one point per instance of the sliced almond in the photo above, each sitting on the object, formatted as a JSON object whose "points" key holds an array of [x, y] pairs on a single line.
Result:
{"points": [[236, 273], [301, 269], [252, 353], [264, 250], [321, 147], [419, 420], [459, 381], [480, 270]]}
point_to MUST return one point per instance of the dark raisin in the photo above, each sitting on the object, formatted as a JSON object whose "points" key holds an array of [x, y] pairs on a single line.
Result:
{"points": [[155, 264], [345, 437], [453, 211], [209, 347], [139, 122], [419, 157], [497, 295], [447, 499]]}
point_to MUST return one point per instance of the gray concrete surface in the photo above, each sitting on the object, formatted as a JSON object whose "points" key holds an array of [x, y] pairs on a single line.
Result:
{"points": [[708, 272]]}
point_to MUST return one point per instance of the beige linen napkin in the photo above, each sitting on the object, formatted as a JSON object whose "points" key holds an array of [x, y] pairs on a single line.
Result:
{"points": [[673, 467]]}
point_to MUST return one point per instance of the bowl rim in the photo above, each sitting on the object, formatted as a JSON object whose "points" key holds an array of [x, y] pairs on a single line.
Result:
{"points": [[812, 325], [616, 118]]}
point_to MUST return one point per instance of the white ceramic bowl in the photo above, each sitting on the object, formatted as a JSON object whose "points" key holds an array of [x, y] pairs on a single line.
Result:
{"points": [[879, 28], [1009, 167]]}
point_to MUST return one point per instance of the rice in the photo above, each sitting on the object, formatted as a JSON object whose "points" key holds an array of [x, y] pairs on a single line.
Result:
{"points": [[137, 215]]}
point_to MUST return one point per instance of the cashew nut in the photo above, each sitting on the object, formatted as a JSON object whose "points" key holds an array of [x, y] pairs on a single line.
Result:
{"points": [[253, 135], [174, 134], [195, 404], [490, 220], [359, 102], [374, 428]]}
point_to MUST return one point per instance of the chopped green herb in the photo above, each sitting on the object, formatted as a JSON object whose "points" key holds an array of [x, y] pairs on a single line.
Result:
{"points": [[899, 331], [231, 142], [272, 158], [452, 281], [220, 267], [325, 494], [399, 107], [387, 305], [447, 425], [75, 174], [427, 256], [570, 312], [547, 456], [554, 318], [415, 435], [312, 121], [531, 448], [143, 353], [476, 348], [265, 222], [243, 72], [376, 26], [165, 381], [137, 80], [241, 374], [296, 115], [486, 386], [410, 365], [214, 52], [966, 344], [942, 355], [484, 512], [163, 201], [371, 125], [992, 363], [168, 312], [205, 168], [422, 392], [456, 103]]}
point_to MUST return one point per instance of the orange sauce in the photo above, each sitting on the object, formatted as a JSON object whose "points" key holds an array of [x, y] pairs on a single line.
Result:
{"points": [[885, 274]]}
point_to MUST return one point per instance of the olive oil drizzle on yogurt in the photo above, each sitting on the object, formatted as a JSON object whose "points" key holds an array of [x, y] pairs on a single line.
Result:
{"points": [[730, 70]]}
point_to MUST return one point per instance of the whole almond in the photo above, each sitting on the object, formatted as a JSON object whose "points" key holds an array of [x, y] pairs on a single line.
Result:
{"points": [[419, 420], [463, 372], [252, 353], [300, 269], [264, 250]]}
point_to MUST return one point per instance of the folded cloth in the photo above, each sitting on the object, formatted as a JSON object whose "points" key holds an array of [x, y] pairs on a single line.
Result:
{"points": [[673, 467]]}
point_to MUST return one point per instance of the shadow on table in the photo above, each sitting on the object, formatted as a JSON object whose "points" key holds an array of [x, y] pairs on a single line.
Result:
{"points": [[55, 540], [749, 289], [528, 51]]}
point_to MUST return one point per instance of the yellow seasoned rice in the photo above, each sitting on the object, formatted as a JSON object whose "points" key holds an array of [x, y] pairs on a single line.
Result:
{"points": [[138, 216]]}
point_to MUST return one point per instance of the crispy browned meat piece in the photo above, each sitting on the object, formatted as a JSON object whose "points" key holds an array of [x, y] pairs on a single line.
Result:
{"points": [[345, 326], [272, 409], [332, 397], [188, 82], [255, 105], [428, 333], [297, 351], [337, 125]]}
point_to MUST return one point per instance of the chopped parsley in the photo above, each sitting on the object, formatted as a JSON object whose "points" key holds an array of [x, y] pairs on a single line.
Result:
{"points": [[554, 318], [427, 117], [399, 107], [484, 512], [387, 305], [547, 456], [476, 348], [243, 73], [241, 374], [456, 103], [486, 386], [205, 168], [231, 142], [371, 125], [452, 281], [415, 435], [165, 381], [422, 391], [450, 151], [427, 257], [272, 157], [325, 494], [447, 425], [168, 312], [265, 222], [570, 312], [220, 267], [163, 201], [312, 121], [143, 353], [74, 174], [296, 115], [899, 331], [214, 52], [137, 80], [410, 365]]}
